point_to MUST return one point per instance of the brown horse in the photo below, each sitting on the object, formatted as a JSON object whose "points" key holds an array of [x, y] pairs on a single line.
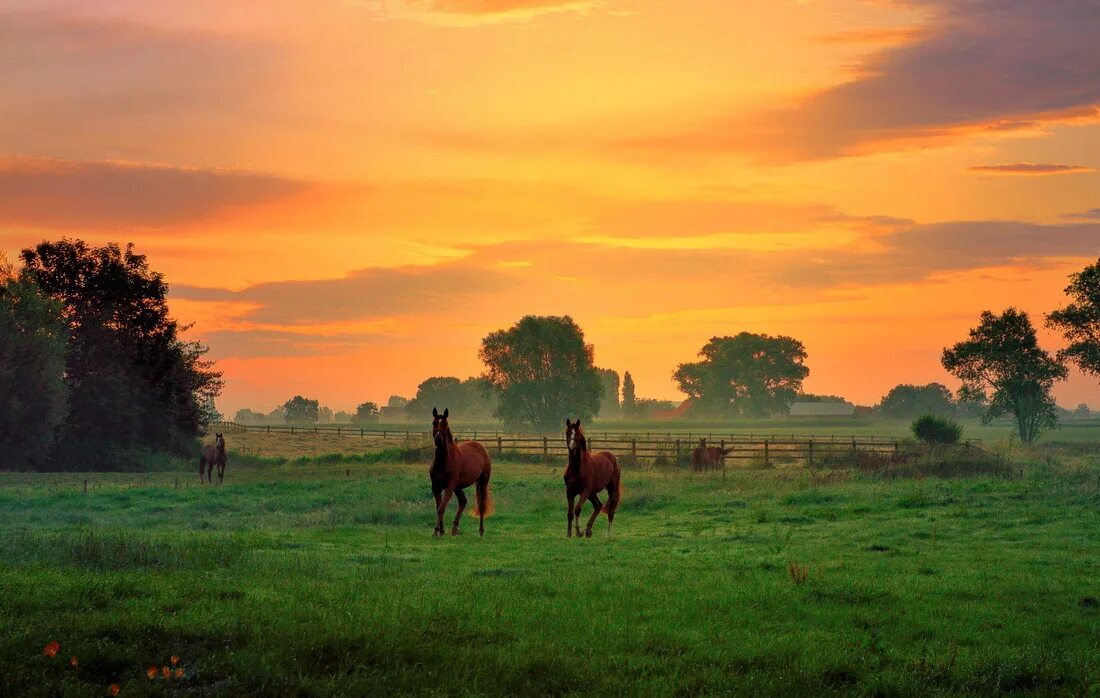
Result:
{"points": [[704, 457], [455, 467], [213, 454], [585, 475]]}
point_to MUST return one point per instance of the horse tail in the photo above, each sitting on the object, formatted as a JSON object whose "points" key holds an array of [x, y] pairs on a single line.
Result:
{"points": [[615, 488], [484, 500]]}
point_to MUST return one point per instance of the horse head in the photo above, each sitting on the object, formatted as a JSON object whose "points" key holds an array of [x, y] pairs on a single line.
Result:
{"points": [[219, 442], [441, 430], [574, 437]]}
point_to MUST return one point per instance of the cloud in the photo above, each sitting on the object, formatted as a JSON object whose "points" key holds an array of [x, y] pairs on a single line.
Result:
{"points": [[1030, 168], [979, 66], [488, 7], [251, 343], [1091, 214], [367, 293], [48, 193]]}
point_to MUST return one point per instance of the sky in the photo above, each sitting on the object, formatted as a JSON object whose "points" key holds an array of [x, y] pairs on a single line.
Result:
{"points": [[345, 196]]}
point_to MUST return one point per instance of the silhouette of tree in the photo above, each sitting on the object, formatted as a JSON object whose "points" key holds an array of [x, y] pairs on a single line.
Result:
{"points": [[1003, 355], [300, 410], [32, 366], [1080, 320], [748, 374], [609, 391], [906, 401], [542, 371], [133, 383], [630, 398], [365, 413]]}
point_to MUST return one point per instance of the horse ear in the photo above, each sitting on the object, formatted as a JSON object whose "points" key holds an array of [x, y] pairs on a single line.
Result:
{"points": [[567, 424], [446, 411], [435, 413], [578, 424]]}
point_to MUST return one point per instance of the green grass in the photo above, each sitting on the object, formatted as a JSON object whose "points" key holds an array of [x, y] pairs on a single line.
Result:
{"points": [[295, 579]]}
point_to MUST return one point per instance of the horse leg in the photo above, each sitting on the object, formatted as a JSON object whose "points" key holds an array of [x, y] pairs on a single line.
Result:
{"points": [[438, 501], [201, 466], [221, 472], [569, 514], [597, 506], [447, 493], [461, 496], [585, 493]]}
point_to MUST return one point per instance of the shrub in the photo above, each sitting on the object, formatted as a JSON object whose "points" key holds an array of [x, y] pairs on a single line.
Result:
{"points": [[932, 429]]}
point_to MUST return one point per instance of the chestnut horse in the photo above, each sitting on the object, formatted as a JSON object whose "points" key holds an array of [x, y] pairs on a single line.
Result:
{"points": [[708, 456], [213, 455], [455, 467], [585, 475]]}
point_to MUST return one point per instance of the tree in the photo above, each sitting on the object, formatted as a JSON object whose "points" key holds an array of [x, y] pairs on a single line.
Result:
{"points": [[1080, 320], [749, 374], [541, 371], [133, 383], [629, 396], [343, 417], [324, 415], [32, 367], [907, 401], [609, 391], [300, 410], [1003, 355], [365, 413]]}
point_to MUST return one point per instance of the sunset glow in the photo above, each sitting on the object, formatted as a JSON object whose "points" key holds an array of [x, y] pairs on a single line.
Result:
{"points": [[347, 195]]}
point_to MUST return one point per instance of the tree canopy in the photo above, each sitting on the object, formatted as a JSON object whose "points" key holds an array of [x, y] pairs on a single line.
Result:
{"points": [[630, 397], [748, 374], [541, 371], [32, 367], [907, 401], [133, 382], [302, 410], [609, 393], [467, 399], [1080, 320], [1002, 355]]}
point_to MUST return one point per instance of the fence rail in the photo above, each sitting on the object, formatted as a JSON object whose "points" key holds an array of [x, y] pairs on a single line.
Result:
{"points": [[653, 447]]}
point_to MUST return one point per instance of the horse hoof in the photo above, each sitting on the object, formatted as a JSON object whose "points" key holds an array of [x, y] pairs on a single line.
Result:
{"points": [[588, 533]]}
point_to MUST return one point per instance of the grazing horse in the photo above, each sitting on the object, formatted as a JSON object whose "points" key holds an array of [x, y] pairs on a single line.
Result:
{"points": [[700, 456], [585, 475], [213, 454], [718, 455], [455, 467]]}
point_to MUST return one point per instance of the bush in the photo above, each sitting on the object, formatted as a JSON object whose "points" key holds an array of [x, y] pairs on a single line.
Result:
{"points": [[937, 430]]}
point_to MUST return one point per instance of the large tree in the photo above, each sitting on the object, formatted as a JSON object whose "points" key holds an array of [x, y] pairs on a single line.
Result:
{"points": [[907, 401], [365, 413], [134, 384], [542, 372], [1002, 356], [1080, 320], [467, 399], [32, 372], [630, 397], [302, 410], [749, 374]]}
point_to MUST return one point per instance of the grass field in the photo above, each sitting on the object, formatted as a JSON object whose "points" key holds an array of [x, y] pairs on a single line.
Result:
{"points": [[301, 580]]}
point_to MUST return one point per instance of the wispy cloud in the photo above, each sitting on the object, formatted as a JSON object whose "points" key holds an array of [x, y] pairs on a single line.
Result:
{"points": [[1031, 168], [67, 194]]}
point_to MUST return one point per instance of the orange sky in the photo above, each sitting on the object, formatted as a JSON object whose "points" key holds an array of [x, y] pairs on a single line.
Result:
{"points": [[347, 195]]}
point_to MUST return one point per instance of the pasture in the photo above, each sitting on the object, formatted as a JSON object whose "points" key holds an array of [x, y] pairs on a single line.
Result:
{"points": [[297, 578]]}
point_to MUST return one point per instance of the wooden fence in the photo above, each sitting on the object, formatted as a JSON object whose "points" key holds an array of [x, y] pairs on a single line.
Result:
{"points": [[650, 447]]}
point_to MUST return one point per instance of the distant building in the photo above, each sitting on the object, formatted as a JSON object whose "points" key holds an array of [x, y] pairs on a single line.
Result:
{"points": [[822, 409]]}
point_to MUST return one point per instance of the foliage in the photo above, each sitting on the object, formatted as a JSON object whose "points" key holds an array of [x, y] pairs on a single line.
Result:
{"points": [[541, 370], [467, 399], [365, 413], [645, 408], [301, 410], [748, 374], [1080, 320], [629, 396], [394, 410], [133, 382], [1003, 355], [907, 401], [32, 366], [609, 394], [934, 429]]}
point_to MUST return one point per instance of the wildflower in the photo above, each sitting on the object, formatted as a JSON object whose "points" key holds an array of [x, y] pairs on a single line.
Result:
{"points": [[74, 662], [175, 660], [151, 672], [52, 648], [113, 689]]}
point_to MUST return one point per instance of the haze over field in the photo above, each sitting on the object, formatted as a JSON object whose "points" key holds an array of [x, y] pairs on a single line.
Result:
{"points": [[346, 196]]}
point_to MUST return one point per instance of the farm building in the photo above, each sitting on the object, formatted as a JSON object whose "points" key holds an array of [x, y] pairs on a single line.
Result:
{"points": [[822, 409]]}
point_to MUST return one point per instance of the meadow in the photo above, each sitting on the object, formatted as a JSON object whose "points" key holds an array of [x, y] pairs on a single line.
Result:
{"points": [[319, 576]]}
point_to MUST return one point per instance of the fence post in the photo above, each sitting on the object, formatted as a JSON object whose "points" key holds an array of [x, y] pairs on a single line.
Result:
{"points": [[677, 451], [500, 446], [85, 487], [545, 450], [634, 449], [810, 450], [767, 457]]}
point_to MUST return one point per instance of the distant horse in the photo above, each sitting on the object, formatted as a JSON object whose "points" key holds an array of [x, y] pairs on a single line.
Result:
{"points": [[455, 467], [585, 475], [704, 457], [213, 454]]}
